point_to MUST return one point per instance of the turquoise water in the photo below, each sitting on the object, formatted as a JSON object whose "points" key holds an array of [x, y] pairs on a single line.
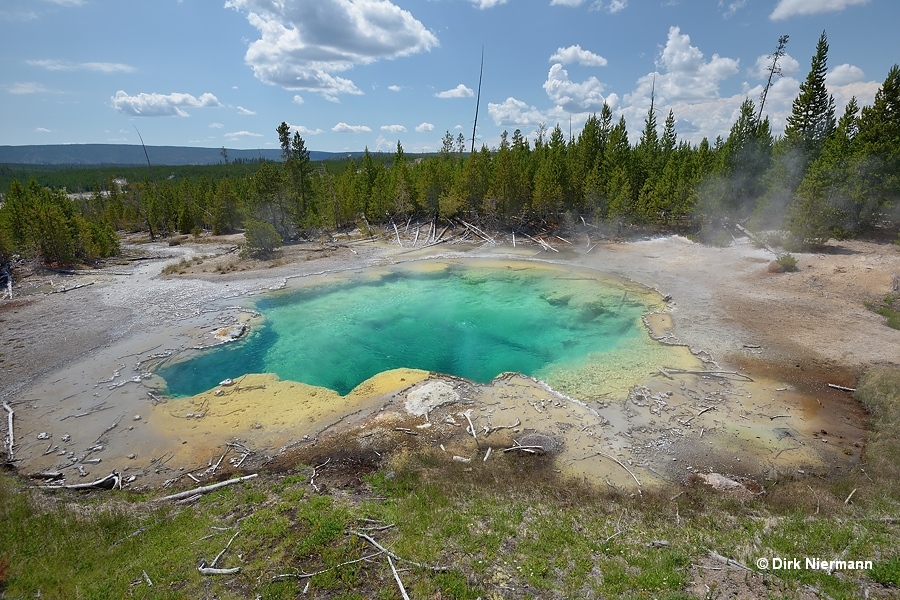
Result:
{"points": [[474, 322]]}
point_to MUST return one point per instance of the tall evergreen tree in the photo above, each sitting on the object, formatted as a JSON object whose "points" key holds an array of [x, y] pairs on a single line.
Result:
{"points": [[812, 119]]}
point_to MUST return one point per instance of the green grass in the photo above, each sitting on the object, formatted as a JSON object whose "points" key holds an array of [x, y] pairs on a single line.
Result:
{"points": [[509, 532]]}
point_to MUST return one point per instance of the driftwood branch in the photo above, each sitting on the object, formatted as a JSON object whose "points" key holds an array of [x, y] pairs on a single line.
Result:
{"points": [[397, 578], [343, 564], [728, 561], [394, 556], [207, 488], [842, 388], [621, 464], [110, 482], [10, 440]]}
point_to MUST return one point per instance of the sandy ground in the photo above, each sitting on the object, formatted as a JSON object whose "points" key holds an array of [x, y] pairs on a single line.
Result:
{"points": [[77, 369]]}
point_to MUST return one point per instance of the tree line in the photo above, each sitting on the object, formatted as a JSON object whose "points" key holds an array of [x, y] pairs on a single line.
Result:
{"points": [[827, 176]]}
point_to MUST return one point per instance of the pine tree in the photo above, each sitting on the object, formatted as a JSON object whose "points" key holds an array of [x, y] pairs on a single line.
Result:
{"points": [[812, 121]]}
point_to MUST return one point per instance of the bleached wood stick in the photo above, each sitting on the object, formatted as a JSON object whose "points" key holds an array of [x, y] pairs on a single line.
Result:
{"points": [[9, 438], [391, 554], [219, 555], [842, 388], [207, 488], [397, 578], [613, 458]]}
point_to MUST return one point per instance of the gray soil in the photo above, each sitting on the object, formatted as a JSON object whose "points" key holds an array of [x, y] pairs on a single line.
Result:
{"points": [[76, 364]]}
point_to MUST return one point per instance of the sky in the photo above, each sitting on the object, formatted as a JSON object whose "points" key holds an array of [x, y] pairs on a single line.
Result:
{"points": [[355, 74]]}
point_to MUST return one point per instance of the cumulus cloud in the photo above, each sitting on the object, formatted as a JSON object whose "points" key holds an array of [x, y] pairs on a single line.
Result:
{"points": [[394, 128], [685, 73], [394, 88], [345, 128], [576, 55], [787, 64], [566, 2], [160, 105], [424, 127], [99, 67], [298, 99], [302, 130], [515, 113], [792, 8], [573, 96], [245, 111], [459, 91], [216, 125], [843, 75], [304, 43]]}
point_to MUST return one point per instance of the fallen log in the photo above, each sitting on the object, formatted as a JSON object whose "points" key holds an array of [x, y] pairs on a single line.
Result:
{"points": [[207, 488], [110, 482]]}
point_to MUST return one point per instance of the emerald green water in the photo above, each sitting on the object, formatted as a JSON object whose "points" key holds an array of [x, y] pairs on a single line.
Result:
{"points": [[472, 321]]}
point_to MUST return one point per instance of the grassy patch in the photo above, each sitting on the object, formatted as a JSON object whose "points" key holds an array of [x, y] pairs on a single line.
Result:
{"points": [[461, 531], [889, 308]]}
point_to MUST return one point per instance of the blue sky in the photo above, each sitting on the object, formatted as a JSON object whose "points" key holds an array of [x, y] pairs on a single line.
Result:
{"points": [[350, 74]]}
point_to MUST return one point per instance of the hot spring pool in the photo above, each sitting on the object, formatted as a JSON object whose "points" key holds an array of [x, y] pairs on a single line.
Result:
{"points": [[572, 328]]}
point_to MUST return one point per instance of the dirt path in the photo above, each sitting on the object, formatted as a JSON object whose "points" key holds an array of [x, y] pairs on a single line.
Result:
{"points": [[75, 364]]}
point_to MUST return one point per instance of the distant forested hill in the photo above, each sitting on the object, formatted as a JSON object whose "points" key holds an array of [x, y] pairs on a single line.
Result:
{"points": [[126, 154]]}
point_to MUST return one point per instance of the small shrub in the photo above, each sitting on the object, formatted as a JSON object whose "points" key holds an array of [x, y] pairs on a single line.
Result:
{"points": [[261, 238], [788, 262]]}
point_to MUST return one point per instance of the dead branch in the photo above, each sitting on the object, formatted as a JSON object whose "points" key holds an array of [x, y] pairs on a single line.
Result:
{"points": [[728, 561], [847, 501], [207, 570], [343, 564], [110, 482], [529, 449], [492, 428], [397, 578], [467, 414], [710, 373], [394, 556], [207, 488], [621, 464], [147, 579], [10, 440], [74, 287], [219, 555], [842, 388]]}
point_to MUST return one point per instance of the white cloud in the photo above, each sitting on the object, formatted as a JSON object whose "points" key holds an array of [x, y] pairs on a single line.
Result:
{"points": [[686, 74], [160, 105], [512, 112], [245, 111], [843, 75], [301, 129], [787, 64], [42, 130], [612, 6], [394, 128], [345, 128], [394, 88], [483, 4], [732, 7], [459, 91], [304, 43], [566, 2], [575, 54], [791, 8], [27, 87], [216, 125], [99, 67], [424, 127], [67, 2], [298, 99], [573, 96], [234, 135]]}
